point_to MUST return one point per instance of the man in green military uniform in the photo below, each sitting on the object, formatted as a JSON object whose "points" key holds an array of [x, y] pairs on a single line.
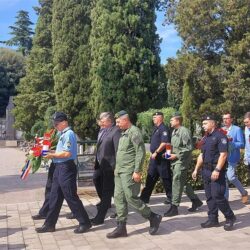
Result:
{"points": [[180, 158], [129, 160]]}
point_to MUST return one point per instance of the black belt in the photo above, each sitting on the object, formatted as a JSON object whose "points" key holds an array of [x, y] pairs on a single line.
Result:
{"points": [[65, 162]]}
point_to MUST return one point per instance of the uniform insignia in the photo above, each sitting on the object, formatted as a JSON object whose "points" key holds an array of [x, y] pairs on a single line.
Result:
{"points": [[165, 133], [223, 140], [136, 139], [68, 144]]}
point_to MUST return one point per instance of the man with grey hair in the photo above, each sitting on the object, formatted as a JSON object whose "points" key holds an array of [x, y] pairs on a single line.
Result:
{"points": [[107, 144]]}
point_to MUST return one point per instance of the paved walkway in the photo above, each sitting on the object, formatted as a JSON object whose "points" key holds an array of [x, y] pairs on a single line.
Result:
{"points": [[21, 199]]}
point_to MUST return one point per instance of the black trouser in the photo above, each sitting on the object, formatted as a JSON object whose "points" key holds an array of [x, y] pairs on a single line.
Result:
{"points": [[97, 180], [107, 184], [155, 171], [64, 187], [45, 208], [215, 191]]}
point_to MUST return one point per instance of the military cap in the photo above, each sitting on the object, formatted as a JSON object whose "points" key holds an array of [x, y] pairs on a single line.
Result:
{"points": [[176, 114], [209, 117], [158, 113], [120, 113], [59, 117]]}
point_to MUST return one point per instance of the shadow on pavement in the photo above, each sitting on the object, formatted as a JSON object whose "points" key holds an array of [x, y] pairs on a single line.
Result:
{"points": [[12, 246], [4, 232], [4, 217], [37, 180]]}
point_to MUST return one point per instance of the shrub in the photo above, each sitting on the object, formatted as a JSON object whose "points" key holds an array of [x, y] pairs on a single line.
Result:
{"points": [[144, 120]]}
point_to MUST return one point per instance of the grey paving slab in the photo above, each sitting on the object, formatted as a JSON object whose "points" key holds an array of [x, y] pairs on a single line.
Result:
{"points": [[20, 200]]}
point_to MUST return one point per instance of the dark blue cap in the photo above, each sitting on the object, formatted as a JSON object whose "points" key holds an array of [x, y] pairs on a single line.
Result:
{"points": [[59, 117], [120, 113]]}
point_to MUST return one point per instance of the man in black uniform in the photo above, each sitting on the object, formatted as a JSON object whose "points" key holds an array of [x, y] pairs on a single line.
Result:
{"points": [[64, 179], [213, 160], [158, 166]]}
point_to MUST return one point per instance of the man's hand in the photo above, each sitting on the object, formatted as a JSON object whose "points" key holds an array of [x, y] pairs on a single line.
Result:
{"points": [[215, 175], [172, 157], [49, 156], [136, 177], [153, 156], [194, 175]]}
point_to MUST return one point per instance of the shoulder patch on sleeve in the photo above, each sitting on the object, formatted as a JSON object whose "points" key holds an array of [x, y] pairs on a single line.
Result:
{"points": [[165, 133], [136, 139], [68, 144], [223, 140]]}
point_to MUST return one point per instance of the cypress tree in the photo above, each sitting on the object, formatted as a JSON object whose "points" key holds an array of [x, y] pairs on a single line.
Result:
{"points": [[36, 88], [125, 56], [71, 56]]}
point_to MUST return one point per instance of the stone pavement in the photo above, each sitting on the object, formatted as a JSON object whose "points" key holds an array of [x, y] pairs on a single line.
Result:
{"points": [[21, 199]]}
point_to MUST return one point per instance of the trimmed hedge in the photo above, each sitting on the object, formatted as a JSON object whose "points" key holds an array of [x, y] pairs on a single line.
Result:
{"points": [[242, 173]]}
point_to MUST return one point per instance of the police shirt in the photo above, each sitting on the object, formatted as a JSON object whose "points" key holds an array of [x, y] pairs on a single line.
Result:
{"points": [[131, 151], [160, 134], [214, 144], [67, 142]]}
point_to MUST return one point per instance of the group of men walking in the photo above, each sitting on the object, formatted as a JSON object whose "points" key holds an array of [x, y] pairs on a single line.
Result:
{"points": [[118, 170]]}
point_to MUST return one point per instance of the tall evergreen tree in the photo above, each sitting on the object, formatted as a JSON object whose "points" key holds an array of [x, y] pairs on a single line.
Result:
{"points": [[21, 33], [36, 89], [12, 69], [71, 56], [125, 55]]}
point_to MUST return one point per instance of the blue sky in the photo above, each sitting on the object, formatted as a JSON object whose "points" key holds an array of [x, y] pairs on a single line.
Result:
{"points": [[9, 8]]}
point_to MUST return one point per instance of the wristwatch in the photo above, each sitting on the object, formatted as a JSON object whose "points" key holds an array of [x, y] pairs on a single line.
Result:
{"points": [[217, 170]]}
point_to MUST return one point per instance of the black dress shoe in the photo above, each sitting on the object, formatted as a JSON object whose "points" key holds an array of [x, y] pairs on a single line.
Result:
{"points": [[45, 229], [82, 228], [173, 211], [210, 223], [38, 217], [70, 216], [96, 222], [228, 226]]}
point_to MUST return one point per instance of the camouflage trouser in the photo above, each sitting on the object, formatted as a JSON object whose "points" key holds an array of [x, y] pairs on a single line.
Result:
{"points": [[126, 193], [179, 184]]}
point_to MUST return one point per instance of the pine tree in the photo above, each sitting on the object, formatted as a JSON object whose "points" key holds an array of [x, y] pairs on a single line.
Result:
{"points": [[36, 89], [21, 33], [71, 56], [125, 56]]}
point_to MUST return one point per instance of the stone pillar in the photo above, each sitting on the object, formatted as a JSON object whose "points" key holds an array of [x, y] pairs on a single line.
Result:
{"points": [[10, 130]]}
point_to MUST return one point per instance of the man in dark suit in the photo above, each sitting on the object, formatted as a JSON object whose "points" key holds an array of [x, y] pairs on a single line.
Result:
{"points": [[107, 144]]}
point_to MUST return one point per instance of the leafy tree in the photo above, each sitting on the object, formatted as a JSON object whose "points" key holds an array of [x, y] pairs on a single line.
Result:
{"points": [[21, 32], [12, 69], [71, 57], [36, 89], [125, 56], [216, 37]]}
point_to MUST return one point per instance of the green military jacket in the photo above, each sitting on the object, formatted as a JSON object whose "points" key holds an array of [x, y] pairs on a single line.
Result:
{"points": [[181, 142], [131, 151]]}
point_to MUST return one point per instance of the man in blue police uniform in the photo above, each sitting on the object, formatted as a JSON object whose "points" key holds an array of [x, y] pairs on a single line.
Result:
{"points": [[158, 166], [213, 160], [64, 179]]}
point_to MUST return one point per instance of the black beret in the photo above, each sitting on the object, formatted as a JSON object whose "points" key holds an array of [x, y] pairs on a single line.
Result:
{"points": [[209, 117], [120, 113], [158, 113], [59, 117]]}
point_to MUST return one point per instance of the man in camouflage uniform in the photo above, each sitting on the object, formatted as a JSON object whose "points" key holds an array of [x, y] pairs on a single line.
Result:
{"points": [[129, 160], [180, 158]]}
